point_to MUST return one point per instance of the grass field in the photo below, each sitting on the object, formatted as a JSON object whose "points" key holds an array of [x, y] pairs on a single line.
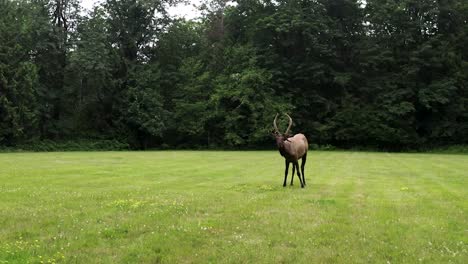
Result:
{"points": [[230, 207]]}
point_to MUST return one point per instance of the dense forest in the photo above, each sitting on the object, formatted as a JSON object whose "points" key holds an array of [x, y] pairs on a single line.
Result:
{"points": [[387, 74]]}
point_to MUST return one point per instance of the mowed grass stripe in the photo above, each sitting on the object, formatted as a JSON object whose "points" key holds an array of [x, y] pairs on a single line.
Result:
{"points": [[225, 207]]}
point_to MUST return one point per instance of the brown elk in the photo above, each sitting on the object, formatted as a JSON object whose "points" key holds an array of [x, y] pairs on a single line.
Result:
{"points": [[292, 148]]}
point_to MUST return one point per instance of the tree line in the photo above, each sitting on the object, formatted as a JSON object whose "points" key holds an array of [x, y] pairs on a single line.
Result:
{"points": [[376, 73]]}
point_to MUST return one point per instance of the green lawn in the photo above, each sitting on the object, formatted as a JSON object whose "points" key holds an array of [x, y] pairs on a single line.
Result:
{"points": [[230, 207]]}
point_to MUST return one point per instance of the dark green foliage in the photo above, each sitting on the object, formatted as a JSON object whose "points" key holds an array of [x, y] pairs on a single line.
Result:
{"points": [[90, 86], [18, 75], [244, 100], [144, 114], [381, 74]]}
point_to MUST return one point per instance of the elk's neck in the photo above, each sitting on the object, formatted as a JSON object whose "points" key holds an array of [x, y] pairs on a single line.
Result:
{"points": [[282, 148]]}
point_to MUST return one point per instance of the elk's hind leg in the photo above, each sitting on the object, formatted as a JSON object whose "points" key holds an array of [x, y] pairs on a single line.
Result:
{"points": [[286, 172], [292, 176], [299, 173], [304, 159]]}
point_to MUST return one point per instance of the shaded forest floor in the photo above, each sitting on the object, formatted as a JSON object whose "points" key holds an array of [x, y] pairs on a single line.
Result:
{"points": [[222, 206]]}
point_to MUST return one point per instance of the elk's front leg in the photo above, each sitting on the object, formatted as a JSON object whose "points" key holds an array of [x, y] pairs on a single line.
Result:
{"points": [[286, 172]]}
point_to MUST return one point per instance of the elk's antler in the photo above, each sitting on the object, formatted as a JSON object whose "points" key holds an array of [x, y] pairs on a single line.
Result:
{"points": [[290, 124], [274, 123]]}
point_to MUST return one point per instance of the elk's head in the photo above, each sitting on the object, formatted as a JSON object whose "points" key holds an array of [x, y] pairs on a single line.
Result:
{"points": [[281, 137]]}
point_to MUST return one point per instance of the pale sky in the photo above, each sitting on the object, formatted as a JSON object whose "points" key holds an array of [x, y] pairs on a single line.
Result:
{"points": [[181, 10]]}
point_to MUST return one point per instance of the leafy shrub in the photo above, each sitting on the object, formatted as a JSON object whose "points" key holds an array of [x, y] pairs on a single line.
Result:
{"points": [[68, 145], [322, 147], [455, 149]]}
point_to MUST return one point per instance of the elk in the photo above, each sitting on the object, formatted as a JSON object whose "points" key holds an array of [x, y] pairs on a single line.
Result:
{"points": [[292, 148]]}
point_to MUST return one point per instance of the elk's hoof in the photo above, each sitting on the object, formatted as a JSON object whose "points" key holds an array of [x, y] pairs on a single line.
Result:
{"points": [[284, 185], [302, 186]]}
